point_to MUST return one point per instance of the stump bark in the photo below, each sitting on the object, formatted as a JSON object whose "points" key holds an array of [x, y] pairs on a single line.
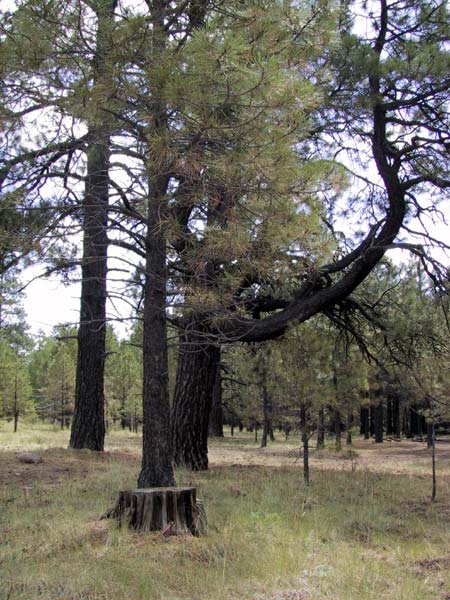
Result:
{"points": [[172, 510]]}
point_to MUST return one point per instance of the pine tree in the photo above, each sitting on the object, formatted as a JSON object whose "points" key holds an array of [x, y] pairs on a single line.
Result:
{"points": [[15, 388], [60, 388], [124, 385], [367, 100]]}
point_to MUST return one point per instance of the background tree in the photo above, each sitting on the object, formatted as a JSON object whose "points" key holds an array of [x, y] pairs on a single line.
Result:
{"points": [[124, 385], [15, 389], [60, 388], [350, 382]]}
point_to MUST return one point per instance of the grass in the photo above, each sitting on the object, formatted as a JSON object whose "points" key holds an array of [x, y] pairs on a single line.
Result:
{"points": [[355, 533]]}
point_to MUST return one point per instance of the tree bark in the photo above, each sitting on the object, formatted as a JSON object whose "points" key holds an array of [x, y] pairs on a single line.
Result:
{"points": [[267, 412], [174, 511], [337, 430], [156, 470], [365, 422], [378, 422], [407, 422], [372, 418], [389, 417], [321, 428], [433, 456], [348, 440], [305, 443], [429, 435], [215, 428], [413, 425], [88, 424], [198, 362], [396, 421]]}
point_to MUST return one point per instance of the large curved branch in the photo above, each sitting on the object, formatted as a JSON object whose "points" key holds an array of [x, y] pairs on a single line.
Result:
{"points": [[358, 264]]}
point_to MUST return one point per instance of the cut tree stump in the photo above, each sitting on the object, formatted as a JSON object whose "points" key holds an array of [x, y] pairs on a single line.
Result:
{"points": [[172, 510]]}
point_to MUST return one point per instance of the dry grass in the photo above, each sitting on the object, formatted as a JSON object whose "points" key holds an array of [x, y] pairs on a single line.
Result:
{"points": [[364, 529]]}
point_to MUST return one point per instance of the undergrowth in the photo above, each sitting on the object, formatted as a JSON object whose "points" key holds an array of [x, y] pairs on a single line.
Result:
{"points": [[349, 535]]}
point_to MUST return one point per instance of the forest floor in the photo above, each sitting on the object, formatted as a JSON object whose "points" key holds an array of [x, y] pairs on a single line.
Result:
{"points": [[364, 529]]}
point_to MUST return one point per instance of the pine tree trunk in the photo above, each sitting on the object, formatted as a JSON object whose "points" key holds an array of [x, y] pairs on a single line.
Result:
{"points": [[305, 444], [429, 435], [372, 417], [16, 411], [321, 428], [215, 428], [361, 420], [156, 470], [422, 425], [337, 430], [396, 421], [378, 422], [348, 440], [413, 425], [433, 457], [389, 417], [88, 424], [305, 441], [365, 422], [429, 422], [198, 362], [267, 416], [407, 422]]}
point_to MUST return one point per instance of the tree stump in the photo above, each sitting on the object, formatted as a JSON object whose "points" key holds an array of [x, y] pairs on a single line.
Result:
{"points": [[172, 510]]}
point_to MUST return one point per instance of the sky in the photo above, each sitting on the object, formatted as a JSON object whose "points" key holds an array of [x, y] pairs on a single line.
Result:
{"points": [[48, 302]]}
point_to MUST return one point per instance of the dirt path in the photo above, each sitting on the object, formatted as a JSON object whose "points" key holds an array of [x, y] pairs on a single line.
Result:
{"points": [[405, 457]]}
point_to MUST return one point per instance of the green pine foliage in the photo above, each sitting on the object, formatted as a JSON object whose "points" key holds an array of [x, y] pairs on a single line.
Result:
{"points": [[123, 384], [15, 389]]}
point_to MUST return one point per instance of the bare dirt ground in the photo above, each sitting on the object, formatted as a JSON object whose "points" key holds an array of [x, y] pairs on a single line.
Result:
{"points": [[58, 465], [397, 458]]}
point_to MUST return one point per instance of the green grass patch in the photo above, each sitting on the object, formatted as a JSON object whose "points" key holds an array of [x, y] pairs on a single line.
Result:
{"points": [[348, 536]]}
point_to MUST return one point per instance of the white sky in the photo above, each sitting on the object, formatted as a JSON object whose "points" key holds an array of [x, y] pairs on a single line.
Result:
{"points": [[48, 303]]}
